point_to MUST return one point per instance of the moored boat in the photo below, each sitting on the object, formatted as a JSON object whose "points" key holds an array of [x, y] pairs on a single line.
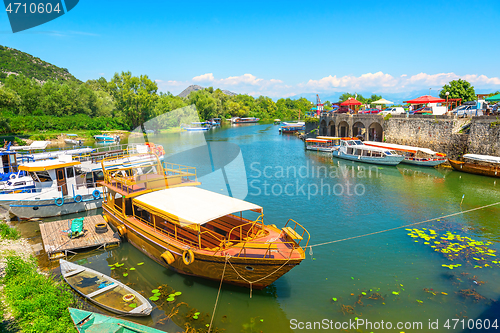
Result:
{"points": [[159, 219], [196, 126], [354, 150], [485, 165], [412, 155], [104, 291], [324, 144], [249, 120], [291, 128], [106, 138], [91, 322]]}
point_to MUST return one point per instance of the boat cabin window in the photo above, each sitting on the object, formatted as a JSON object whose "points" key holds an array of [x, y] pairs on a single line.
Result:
{"points": [[349, 151], [366, 153], [358, 142], [70, 173], [79, 172], [376, 154], [128, 206], [359, 152], [387, 152], [118, 202], [42, 176], [142, 214]]}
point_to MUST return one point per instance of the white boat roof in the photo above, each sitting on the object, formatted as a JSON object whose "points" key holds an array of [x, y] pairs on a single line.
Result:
{"points": [[399, 147], [317, 140], [56, 153], [193, 205], [483, 158], [34, 145], [63, 161]]}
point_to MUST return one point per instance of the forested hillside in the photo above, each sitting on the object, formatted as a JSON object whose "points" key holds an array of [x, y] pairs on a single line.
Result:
{"points": [[13, 61]]}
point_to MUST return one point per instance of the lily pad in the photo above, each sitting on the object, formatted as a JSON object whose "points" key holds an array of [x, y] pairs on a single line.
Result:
{"points": [[170, 299], [178, 293], [112, 268], [171, 295], [363, 293], [157, 295], [197, 313], [195, 317], [133, 305], [125, 274], [154, 291], [334, 299], [132, 269], [154, 298], [139, 264]]}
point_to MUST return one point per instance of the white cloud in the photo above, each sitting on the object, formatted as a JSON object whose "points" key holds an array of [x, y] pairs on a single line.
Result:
{"points": [[378, 82]]}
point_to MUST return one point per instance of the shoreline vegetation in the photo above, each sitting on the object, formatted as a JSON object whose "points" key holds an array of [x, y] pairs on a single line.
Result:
{"points": [[30, 301], [28, 105]]}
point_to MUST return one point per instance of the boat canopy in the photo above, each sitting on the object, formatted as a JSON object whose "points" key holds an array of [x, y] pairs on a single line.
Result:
{"points": [[317, 140], [394, 146], [48, 165], [327, 138], [192, 205], [483, 158]]}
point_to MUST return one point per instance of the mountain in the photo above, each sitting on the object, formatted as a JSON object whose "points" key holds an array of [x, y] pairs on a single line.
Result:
{"points": [[15, 62], [194, 87]]}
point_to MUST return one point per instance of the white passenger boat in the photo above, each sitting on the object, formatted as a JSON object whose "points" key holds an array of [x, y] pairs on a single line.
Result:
{"points": [[354, 150], [324, 144], [412, 155], [297, 123]]}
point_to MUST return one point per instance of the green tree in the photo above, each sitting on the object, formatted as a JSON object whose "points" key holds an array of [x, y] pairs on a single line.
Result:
{"points": [[9, 99], [459, 89], [134, 96]]}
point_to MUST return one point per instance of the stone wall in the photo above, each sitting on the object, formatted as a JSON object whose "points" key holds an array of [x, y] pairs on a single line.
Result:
{"points": [[439, 133]]}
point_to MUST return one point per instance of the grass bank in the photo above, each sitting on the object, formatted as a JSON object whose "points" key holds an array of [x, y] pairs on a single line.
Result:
{"points": [[32, 302]]}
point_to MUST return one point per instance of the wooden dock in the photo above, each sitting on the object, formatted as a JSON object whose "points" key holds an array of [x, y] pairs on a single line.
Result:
{"points": [[57, 243]]}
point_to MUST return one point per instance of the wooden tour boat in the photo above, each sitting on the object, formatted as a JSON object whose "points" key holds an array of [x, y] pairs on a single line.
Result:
{"points": [[198, 232], [478, 164], [354, 150], [323, 143], [104, 291], [91, 322], [412, 155]]}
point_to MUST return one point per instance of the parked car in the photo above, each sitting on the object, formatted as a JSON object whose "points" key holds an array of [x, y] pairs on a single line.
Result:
{"points": [[468, 109], [370, 111], [394, 110], [342, 109]]}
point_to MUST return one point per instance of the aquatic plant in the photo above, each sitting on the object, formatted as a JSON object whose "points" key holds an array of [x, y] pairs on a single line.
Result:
{"points": [[456, 247]]}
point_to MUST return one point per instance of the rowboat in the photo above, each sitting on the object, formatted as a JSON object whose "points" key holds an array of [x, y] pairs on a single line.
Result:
{"points": [[485, 165], [324, 144], [91, 322], [104, 291], [412, 155], [196, 127], [354, 150], [214, 241]]}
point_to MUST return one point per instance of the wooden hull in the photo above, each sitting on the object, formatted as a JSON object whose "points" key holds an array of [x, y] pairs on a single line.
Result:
{"points": [[491, 171], [239, 270], [91, 322], [109, 296]]}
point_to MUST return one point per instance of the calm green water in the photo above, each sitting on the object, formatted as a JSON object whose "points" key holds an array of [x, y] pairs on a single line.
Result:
{"points": [[373, 199]]}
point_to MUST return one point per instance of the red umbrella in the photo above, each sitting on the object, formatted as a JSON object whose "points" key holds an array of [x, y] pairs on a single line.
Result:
{"points": [[351, 101], [425, 99]]}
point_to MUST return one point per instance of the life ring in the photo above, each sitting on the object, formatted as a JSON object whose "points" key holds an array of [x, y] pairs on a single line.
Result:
{"points": [[59, 201], [168, 257], [12, 176], [101, 228], [78, 198], [128, 297], [96, 194], [188, 257]]}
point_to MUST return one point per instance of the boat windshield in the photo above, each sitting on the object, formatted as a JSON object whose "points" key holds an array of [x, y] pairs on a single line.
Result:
{"points": [[358, 142]]}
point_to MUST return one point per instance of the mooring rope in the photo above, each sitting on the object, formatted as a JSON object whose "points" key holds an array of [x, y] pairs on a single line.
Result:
{"points": [[218, 293], [400, 227]]}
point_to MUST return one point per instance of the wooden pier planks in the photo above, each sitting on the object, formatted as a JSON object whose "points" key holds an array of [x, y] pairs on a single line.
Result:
{"points": [[55, 240]]}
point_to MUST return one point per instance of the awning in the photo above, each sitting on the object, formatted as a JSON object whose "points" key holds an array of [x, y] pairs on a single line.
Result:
{"points": [[317, 140], [483, 158], [495, 98], [351, 101], [192, 205], [425, 99], [382, 101]]}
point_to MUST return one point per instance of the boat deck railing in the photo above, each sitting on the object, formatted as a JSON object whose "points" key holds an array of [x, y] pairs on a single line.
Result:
{"points": [[144, 172], [297, 228]]}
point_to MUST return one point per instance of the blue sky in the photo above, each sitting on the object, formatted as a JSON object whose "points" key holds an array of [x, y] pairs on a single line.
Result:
{"points": [[275, 48]]}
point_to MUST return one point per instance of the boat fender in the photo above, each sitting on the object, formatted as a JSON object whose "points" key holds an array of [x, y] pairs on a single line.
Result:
{"points": [[105, 218], [78, 198], [101, 228], [59, 201], [12, 176], [188, 257], [121, 230], [96, 194], [168, 257]]}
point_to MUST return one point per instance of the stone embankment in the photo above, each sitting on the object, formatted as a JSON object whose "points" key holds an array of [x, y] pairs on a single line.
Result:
{"points": [[447, 134]]}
